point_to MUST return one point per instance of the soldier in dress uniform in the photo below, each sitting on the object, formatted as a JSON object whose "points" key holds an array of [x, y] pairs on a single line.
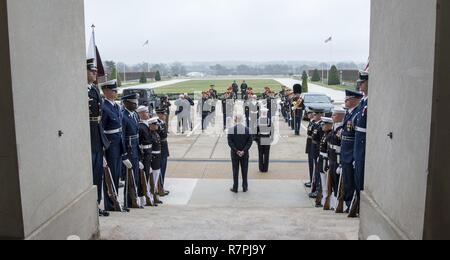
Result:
{"points": [[334, 153], [156, 158], [360, 142], [298, 107], [251, 109], [316, 137], [112, 125], [165, 153], [308, 148], [130, 132], [146, 146], [264, 137], [348, 145], [244, 88], [323, 165], [99, 142], [227, 107], [235, 88]]}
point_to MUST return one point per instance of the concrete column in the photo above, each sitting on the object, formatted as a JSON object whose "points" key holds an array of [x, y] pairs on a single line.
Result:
{"points": [[437, 214], [46, 190], [407, 176]]}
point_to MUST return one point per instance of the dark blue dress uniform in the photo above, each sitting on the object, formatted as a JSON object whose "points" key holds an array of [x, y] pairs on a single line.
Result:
{"points": [[99, 142], [112, 126], [334, 154], [130, 132], [316, 138], [347, 150], [360, 146], [308, 150], [264, 138], [165, 153]]}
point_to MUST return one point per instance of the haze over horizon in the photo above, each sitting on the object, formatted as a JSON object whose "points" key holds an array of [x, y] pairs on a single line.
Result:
{"points": [[230, 30]]}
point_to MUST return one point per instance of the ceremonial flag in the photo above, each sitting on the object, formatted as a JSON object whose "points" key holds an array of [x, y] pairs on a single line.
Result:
{"points": [[93, 53], [329, 39], [146, 43], [368, 66]]}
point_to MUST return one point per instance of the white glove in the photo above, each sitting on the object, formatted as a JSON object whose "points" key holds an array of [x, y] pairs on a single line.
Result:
{"points": [[339, 170], [105, 163], [141, 166], [128, 164]]}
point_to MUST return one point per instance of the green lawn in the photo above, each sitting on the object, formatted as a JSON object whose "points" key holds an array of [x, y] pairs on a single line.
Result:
{"points": [[194, 86], [337, 87]]}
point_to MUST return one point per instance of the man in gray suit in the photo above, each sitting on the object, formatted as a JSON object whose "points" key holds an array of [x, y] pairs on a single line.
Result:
{"points": [[240, 141]]}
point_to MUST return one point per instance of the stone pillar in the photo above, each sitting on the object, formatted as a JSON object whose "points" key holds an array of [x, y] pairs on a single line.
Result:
{"points": [[437, 214], [46, 190], [407, 176]]}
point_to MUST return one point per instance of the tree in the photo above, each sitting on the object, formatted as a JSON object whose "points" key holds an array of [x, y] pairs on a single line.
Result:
{"points": [[316, 76], [305, 82], [157, 76], [334, 77], [143, 78], [115, 74]]}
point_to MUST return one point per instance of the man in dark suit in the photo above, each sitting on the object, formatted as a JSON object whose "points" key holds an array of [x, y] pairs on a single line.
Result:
{"points": [[240, 141]]}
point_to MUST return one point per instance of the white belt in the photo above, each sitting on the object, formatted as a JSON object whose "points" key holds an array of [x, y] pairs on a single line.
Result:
{"points": [[146, 147], [336, 148], [325, 155], [254, 112], [115, 131], [360, 129], [156, 152], [265, 133]]}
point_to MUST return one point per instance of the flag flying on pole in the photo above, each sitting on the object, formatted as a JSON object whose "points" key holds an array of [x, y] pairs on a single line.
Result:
{"points": [[93, 53], [329, 39], [146, 43]]}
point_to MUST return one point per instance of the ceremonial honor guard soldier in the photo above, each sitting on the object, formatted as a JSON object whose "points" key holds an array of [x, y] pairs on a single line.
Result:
{"points": [[130, 128], [156, 158], [165, 153], [146, 147], [244, 88], [316, 137], [348, 145], [308, 148], [327, 126], [251, 109], [99, 142], [235, 88], [264, 139], [360, 142], [334, 153], [112, 126]]}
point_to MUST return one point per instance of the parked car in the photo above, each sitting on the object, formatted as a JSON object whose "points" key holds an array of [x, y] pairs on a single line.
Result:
{"points": [[147, 96], [317, 101]]}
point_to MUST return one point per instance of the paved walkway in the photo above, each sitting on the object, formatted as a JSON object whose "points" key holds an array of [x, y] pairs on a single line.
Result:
{"points": [[201, 207]]}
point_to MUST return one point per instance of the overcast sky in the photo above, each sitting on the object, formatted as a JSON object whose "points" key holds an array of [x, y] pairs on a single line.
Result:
{"points": [[230, 30]]}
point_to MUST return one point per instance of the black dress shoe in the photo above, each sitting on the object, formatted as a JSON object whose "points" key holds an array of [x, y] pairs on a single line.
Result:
{"points": [[313, 195], [159, 202], [245, 190], [233, 190], [347, 211], [103, 213], [166, 193], [308, 185]]}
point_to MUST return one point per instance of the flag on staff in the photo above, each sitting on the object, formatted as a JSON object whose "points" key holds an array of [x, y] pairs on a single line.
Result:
{"points": [[93, 53], [329, 39], [146, 43], [368, 66]]}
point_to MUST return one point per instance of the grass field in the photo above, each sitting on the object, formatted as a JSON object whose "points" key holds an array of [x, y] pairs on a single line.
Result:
{"points": [[337, 87], [194, 86]]}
